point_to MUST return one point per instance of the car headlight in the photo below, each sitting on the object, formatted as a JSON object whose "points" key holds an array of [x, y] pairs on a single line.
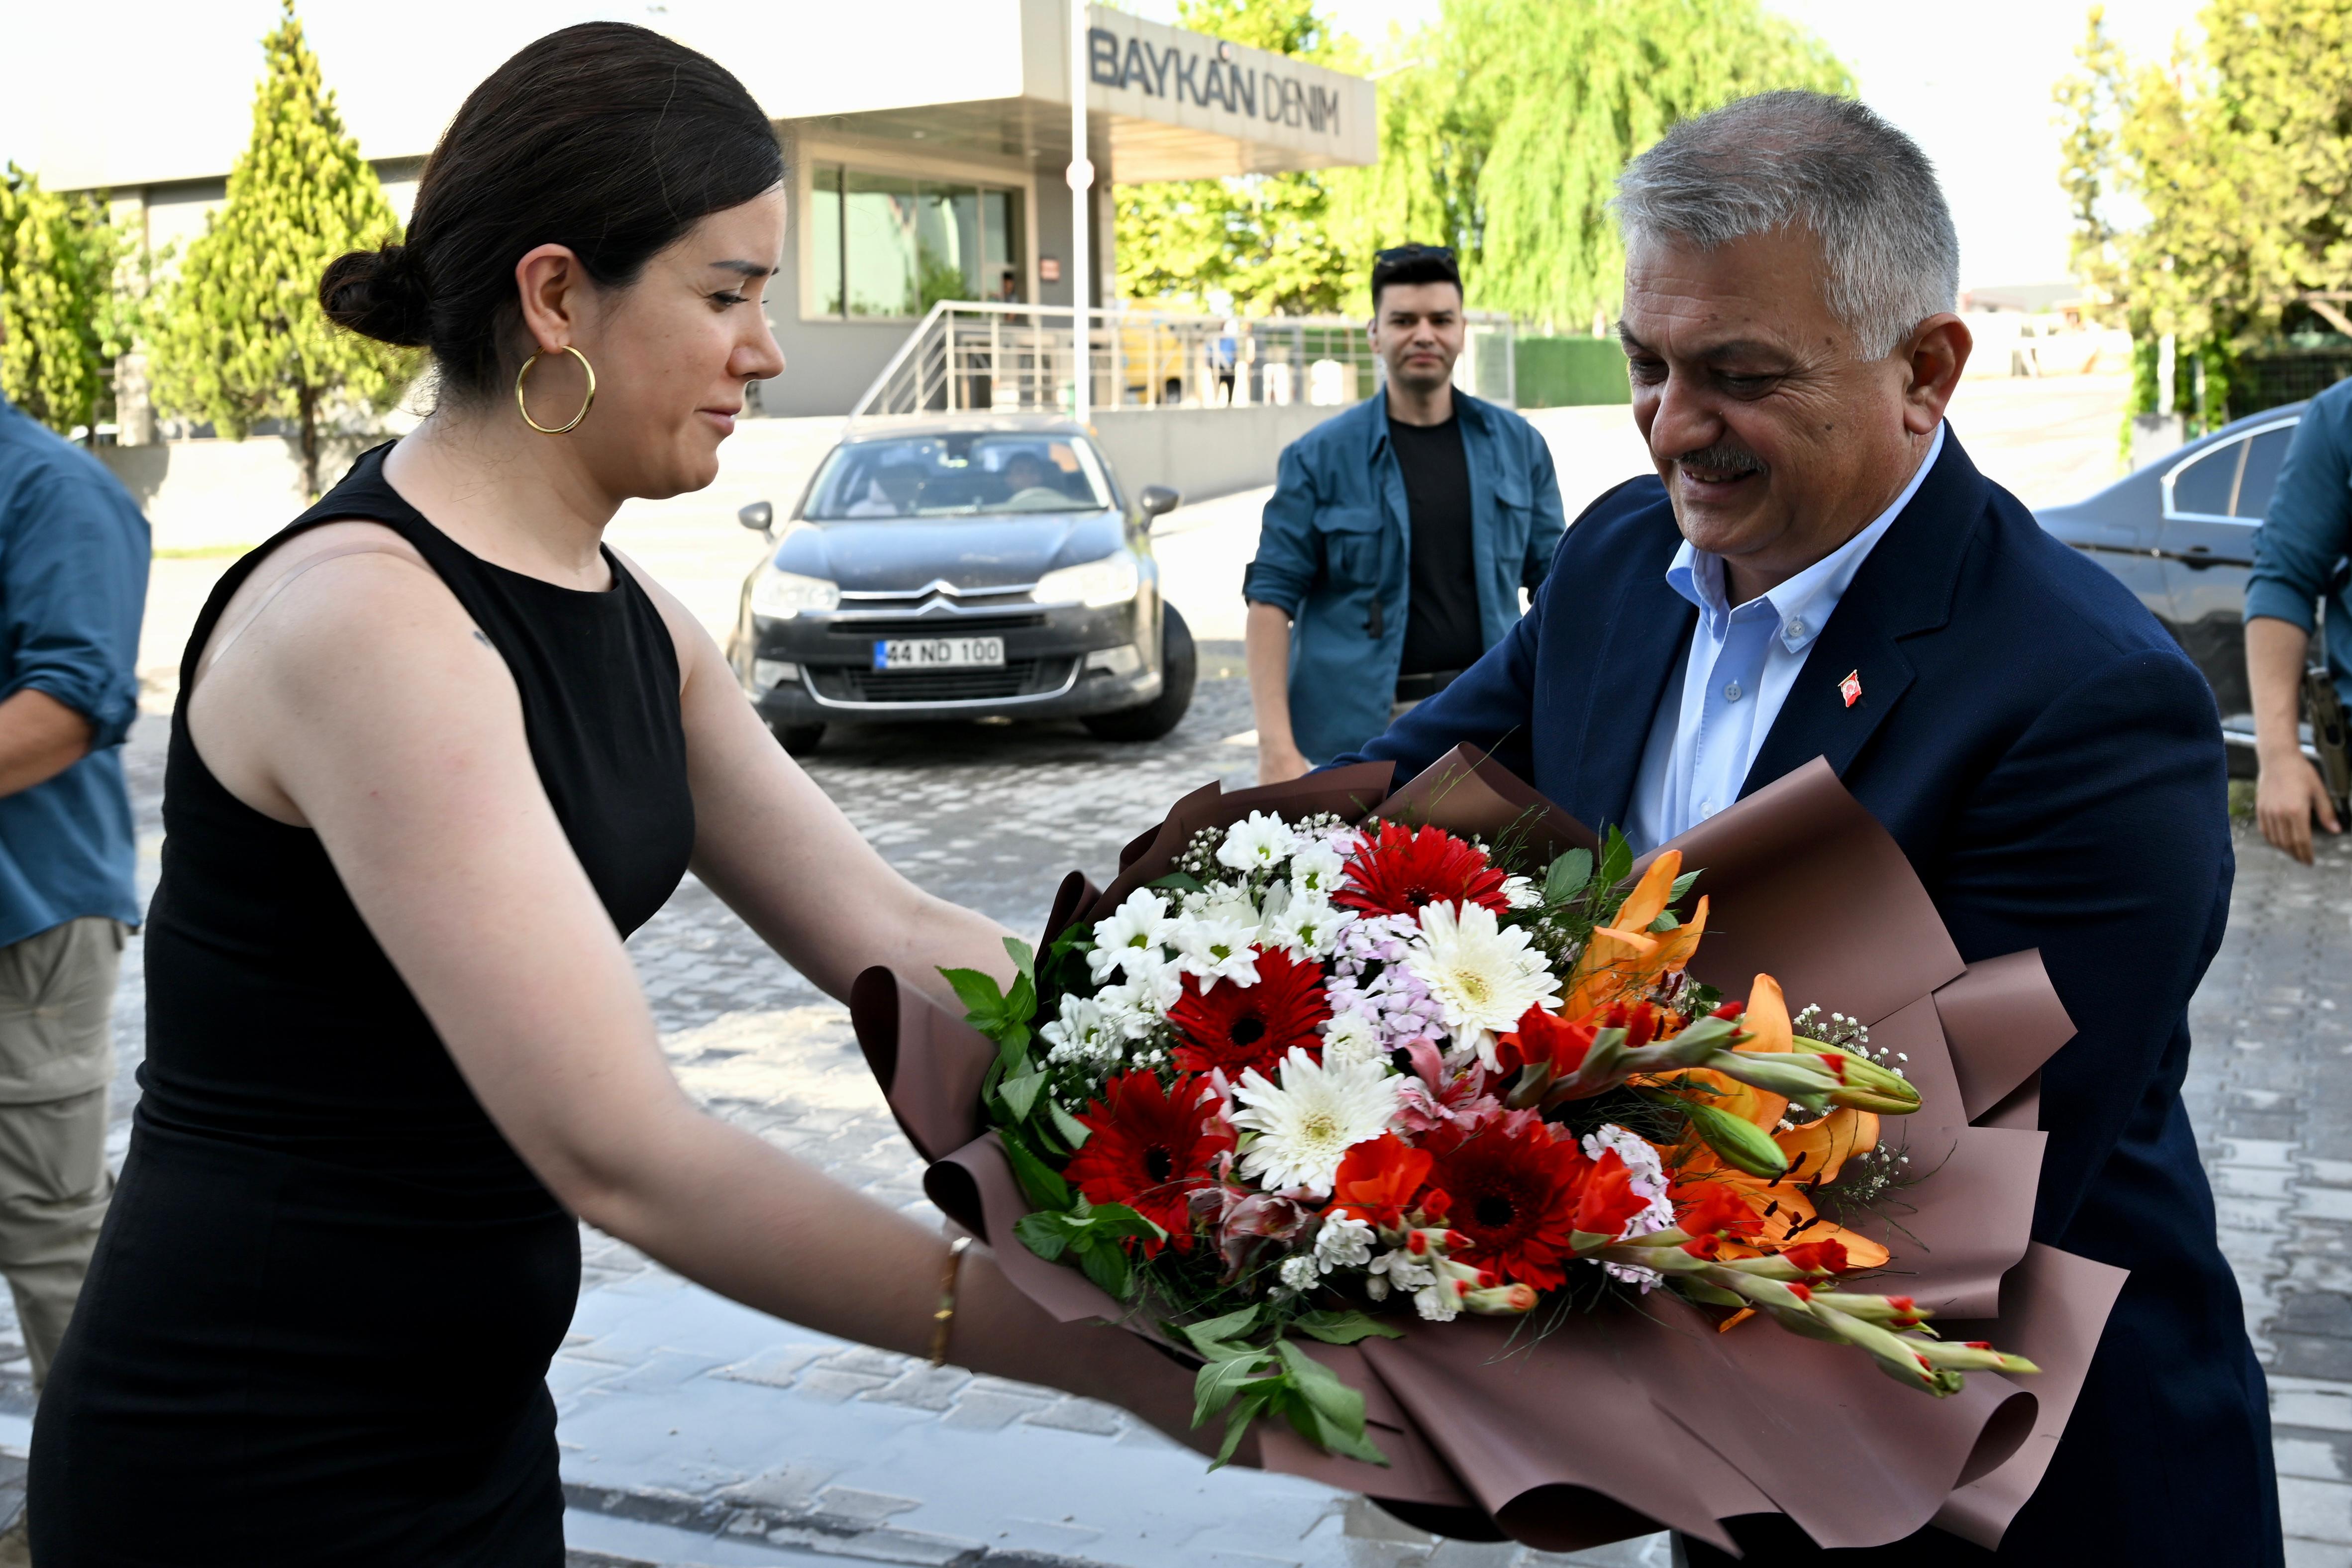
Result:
{"points": [[780, 594], [1113, 580]]}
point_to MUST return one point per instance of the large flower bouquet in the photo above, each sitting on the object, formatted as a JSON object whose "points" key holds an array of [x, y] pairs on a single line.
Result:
{"points": [[1319, 1066], [1331, 1079]]}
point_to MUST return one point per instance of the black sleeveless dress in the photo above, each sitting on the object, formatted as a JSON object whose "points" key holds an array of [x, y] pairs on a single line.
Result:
{"points": [[318, 1325]]}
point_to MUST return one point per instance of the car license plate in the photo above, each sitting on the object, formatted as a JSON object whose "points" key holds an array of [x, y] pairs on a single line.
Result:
{"points": [[938, 653]]}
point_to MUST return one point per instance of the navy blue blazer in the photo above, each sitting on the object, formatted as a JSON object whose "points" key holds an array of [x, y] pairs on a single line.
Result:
{"points": [[2052, 763]]}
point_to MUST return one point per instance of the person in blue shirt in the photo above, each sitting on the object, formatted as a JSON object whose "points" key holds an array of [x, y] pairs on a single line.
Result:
{"points": [[2308, 529], [1398, 537], [73, 583]]}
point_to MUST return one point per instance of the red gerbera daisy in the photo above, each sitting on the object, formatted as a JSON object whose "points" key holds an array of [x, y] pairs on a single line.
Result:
{"points": [[1513, 1191], [1240, 1026], [1401, 870], [1151, 1148]]}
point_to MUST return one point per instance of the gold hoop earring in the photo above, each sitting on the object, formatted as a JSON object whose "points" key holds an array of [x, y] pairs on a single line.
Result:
{"points": [[585, 403]]}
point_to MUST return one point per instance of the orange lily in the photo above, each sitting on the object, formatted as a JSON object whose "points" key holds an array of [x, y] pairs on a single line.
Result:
{"points": [[1816, 1152], [1625, 957]]}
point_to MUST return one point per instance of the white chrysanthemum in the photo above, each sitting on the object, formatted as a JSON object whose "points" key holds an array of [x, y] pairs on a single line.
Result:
{"points": [[1483, 977], [1440, 1302], [1131, 935], [1306, 1126], [1085, 1038], [1399, 1270], [1344, 1243], [1217, 947], [1260, 844], [1298, 1272], [1520, 893], [1303, 925], [1315, 868], [1134, 1008], [1353, 1038]]}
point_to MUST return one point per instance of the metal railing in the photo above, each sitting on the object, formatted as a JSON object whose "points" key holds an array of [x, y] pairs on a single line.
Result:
{"points": [[971, 356]]}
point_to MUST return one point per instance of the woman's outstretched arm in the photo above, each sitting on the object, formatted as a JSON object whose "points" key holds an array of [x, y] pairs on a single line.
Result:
{"points": [[404, 748]]}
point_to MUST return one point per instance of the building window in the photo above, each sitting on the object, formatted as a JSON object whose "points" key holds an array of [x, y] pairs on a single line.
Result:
{"points": [[888, 245]]}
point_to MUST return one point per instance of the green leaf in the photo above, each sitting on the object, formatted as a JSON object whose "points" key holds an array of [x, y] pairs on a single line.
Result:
{"points": [[1012, 1054], [1616, 858], [1682, 886], [1074, 1132], [1019, 1094], [1025, 960], [1337, 1438], [1568, 876], [1217, 1331], [980, 994], [1320, 1386], [1178, 881], [1217, 1384], [1107, 1265], [1040, 1183], [1344, 1327], [1046, 1235], [1252, 1405], [1664, 922], [1116, 1222]]}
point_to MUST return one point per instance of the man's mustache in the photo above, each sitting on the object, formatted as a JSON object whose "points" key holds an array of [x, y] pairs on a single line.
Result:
{"points": [[1726, 458]]}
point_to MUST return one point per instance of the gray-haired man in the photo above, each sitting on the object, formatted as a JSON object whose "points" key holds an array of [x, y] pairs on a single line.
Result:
{"points": [[1818, 571]]}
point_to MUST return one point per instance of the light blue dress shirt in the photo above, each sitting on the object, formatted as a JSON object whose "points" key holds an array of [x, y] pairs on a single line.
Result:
{"points": [[1735, 672]]}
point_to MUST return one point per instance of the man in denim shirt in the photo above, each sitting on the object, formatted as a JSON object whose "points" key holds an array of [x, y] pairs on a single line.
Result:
{"points": [[1399, 536], [2308, 529], [73, 581]]}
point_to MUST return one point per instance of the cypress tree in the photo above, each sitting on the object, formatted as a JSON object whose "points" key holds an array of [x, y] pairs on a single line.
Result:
{"points": [[245, 339], [61, 321]]}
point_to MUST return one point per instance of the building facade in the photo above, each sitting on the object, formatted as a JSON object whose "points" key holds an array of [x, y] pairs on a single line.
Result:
{"points": [[927, 143]]}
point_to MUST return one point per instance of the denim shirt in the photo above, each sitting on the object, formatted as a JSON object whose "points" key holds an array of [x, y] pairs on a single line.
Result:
{"points": [[2308, 529], [73, 583], [1335, 554]]}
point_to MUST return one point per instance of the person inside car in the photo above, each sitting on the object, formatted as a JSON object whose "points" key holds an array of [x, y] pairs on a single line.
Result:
{"points": [[1028, 486]]}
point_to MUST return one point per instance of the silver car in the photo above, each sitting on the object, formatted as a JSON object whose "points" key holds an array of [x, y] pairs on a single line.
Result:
{"points": [[983, 566]]}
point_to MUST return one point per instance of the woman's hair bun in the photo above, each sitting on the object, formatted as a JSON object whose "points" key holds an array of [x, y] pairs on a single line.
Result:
{"points": [[378, 294]]}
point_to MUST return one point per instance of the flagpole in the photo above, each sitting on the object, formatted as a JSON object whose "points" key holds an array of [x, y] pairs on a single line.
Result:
{"points": [[1082, 179]]}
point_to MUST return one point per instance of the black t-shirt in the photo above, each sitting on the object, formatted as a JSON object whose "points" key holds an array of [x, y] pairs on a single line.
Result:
{"points": [[1442, 630]]}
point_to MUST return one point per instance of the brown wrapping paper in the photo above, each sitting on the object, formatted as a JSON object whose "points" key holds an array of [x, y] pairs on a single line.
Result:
{"points": [[1642, 1415]]}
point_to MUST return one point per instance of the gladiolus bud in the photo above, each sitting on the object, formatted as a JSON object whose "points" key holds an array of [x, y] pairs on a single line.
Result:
{"points": [[1614, 1018], [1976, 1356], [1455, 1241], [1730, 1010], [1417, 1243], [1864, 1085], [1501, 1301]]}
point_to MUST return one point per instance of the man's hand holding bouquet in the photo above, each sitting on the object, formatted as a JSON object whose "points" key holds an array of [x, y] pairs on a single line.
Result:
{"points": [[1327, 1078]]}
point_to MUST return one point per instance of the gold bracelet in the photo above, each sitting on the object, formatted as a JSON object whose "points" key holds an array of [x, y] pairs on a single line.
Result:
{"points": [[945, 1317]]}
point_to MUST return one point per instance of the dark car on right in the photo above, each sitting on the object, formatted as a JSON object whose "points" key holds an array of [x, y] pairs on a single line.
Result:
{"points": [[2179, 533]]}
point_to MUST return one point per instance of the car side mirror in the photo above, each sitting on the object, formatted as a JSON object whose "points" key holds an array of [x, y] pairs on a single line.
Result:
{"points": [[1157, 500], [759, 517]]}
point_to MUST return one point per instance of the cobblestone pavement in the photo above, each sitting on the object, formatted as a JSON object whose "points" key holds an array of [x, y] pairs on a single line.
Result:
{"points": [[697, 1432]]}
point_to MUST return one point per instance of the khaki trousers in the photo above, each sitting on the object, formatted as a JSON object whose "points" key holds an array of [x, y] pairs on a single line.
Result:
{"points": [[57, 1009]]}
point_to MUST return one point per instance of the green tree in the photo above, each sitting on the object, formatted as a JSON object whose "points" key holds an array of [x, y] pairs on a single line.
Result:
{"points": [[2237, 154], [245, 339], [62, 319], [1266, 239], [1513, 124]]}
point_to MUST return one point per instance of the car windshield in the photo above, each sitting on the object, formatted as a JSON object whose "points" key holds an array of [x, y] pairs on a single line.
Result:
{"points": [[958, 476]]}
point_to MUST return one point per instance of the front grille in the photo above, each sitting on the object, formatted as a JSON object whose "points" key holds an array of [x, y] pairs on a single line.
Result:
{"points": [[939, 626], [1021, 678]]}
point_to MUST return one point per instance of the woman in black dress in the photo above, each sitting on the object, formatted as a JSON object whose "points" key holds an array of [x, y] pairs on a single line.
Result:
{"points": [[436, 750]]}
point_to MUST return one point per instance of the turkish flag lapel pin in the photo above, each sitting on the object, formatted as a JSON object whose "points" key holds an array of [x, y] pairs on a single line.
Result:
{"points": [[1851, 687]]}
